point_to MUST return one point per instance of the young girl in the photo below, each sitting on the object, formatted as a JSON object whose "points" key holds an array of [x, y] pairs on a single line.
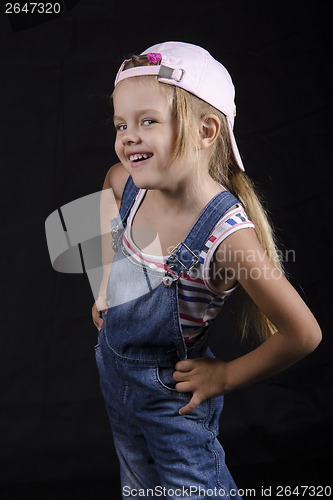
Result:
{"points": [[181, 178]]}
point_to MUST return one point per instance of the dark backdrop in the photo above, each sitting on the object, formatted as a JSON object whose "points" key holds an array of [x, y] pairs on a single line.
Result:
{"points": [[57, 145]]}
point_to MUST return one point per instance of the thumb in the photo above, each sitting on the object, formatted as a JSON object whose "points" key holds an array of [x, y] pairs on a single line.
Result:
{"points": [[191, 405]]}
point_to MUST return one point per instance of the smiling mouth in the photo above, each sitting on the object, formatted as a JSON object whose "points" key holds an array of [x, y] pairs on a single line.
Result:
{"points": [[136, 158]]}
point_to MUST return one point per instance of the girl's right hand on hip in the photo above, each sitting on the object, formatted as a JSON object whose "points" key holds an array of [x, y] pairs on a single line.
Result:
{"points": [[96, 317]]}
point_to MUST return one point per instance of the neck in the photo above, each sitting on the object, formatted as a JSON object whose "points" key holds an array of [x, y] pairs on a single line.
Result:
{"points": [[183, 197]]}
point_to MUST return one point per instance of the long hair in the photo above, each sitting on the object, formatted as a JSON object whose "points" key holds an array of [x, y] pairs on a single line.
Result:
{"points": [[223, 168]]}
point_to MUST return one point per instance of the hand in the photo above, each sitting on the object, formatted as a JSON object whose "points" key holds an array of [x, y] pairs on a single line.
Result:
{"points": [[97, 320], [205, 377]]}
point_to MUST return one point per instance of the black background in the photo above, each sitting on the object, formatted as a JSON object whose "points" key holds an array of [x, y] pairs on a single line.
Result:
{"points": [[57, 145]]}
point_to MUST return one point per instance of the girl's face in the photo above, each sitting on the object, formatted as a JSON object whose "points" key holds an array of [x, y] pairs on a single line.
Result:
{"points": [[145, 133]]}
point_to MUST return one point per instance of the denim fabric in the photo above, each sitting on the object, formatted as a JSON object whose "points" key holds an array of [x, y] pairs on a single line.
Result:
{"points": [[138, 347]]}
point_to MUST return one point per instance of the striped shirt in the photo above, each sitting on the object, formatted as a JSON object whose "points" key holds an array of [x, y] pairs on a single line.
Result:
{"points": [[199, 301]]}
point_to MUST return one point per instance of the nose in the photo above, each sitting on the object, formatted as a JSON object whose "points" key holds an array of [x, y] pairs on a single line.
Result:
{"points": [[130, 136]]}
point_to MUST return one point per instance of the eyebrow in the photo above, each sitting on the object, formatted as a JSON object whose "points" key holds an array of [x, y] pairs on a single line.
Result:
{"points": [[139, 113]]}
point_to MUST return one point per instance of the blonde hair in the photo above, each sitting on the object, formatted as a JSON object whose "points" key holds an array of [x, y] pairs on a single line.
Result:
{"points": [[223, 169]]}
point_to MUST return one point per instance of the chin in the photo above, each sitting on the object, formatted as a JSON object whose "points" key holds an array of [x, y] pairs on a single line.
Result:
{"points": [[142, 182]]}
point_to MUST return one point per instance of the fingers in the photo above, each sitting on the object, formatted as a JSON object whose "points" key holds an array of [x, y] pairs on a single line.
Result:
{"points": [[97, 320], [183, 376], [201, 376], [185, 366], [185, 384], [184, 387], [184, 370], [193, 403]]}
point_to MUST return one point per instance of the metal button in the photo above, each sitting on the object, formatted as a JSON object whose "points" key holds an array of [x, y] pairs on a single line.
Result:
{"points": [[167, 281]]}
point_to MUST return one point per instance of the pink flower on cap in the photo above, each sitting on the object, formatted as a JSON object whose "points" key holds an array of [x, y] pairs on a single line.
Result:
{"points": [[154, 57]]}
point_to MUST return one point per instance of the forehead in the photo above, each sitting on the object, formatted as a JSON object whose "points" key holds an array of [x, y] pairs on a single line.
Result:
{"points": [[138, 92]]}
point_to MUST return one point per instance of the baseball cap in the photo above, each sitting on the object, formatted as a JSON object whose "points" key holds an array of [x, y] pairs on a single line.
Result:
{"points": [[193, 69]]}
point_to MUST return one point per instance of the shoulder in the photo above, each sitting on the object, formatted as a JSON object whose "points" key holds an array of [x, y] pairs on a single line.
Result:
{"points": [[234, 219], [115, 179], [242, 255], [238, 256], [216, 250]]}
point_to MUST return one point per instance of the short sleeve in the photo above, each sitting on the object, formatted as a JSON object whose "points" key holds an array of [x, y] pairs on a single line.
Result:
{"points": [[234, 220]]}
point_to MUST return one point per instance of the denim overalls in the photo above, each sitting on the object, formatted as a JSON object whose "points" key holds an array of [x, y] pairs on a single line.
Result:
{"points": [[161, 453]]}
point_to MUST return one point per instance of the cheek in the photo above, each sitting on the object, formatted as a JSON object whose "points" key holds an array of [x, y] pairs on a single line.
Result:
{"points": [[172, 139], [118, 147]]}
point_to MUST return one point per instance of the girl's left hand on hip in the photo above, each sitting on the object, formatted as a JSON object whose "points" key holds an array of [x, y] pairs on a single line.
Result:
{"points": [[205, 377]]}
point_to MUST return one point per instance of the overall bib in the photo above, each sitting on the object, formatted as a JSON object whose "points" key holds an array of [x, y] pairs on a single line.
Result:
{"points": [[170, 455]]}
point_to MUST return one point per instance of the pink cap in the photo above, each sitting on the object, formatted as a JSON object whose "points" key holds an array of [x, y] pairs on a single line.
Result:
{"points": [[193, 69]]}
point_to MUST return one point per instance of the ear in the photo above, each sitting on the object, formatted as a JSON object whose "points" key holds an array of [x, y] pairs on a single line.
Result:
{"points": [[209, 129]]}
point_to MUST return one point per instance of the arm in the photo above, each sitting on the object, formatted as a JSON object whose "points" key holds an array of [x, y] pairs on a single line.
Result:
{"points": [[113, 187], [297, 335]]}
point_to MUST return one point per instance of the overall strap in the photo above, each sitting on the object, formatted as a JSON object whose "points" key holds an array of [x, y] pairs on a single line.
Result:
{"points": [[186, 254], [127, 199]]}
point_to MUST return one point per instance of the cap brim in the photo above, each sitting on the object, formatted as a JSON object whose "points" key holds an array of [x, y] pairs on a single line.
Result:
{"points": [[234, 147]]}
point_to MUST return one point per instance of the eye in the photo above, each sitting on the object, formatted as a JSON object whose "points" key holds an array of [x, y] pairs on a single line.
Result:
{"points": [[121, 127], [148, 121]]}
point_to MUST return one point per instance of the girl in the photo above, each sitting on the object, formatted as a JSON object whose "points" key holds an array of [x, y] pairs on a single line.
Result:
{"points": [[181, 176]]}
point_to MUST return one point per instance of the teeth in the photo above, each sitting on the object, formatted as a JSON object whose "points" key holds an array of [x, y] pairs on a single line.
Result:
{"points": [[138, 157]]}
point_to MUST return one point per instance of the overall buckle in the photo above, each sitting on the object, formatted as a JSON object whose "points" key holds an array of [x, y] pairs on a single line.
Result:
{"points": [[116, 231], [177, 266]]}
